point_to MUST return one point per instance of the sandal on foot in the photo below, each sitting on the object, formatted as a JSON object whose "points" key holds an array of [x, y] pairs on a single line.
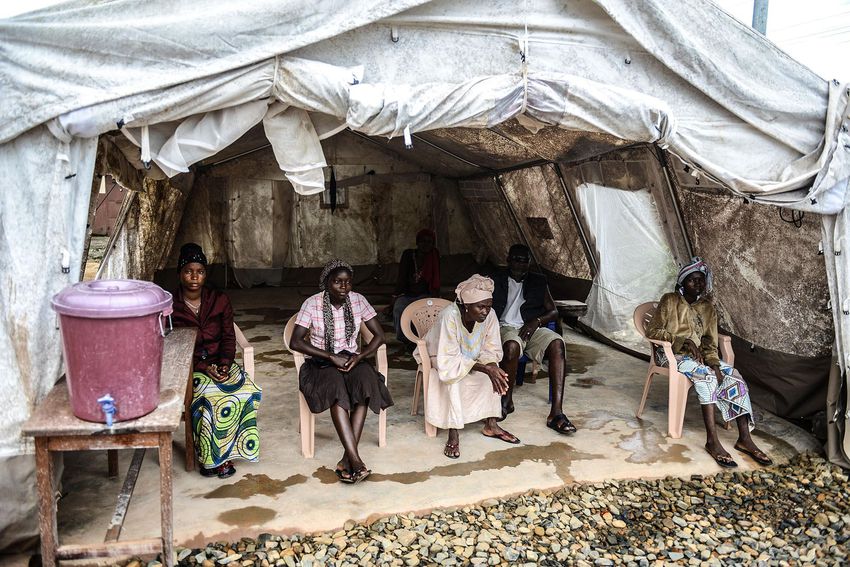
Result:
{"points": [[561, 424], [226, 470], [758, 455], [452, 450], [724, 461], [503, 436], [344, 476], [360, 475]]}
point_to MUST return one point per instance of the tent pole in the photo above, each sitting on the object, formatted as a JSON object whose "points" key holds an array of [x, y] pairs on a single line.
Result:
{"points": [[665, 167], [591, 257]]}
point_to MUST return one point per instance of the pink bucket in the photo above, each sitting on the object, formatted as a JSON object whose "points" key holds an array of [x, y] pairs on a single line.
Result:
{"points": [[112, 339]]}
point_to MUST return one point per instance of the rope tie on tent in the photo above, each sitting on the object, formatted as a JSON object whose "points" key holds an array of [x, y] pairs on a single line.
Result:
{"points": [[146, 147]]}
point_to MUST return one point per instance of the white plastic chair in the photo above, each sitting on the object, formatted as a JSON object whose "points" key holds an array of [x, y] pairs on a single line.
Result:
{"points": [[307, 419], [416, 320], [678, 383]]}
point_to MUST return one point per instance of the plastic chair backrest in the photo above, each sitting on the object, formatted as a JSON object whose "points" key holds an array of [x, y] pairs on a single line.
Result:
{"points": [[421, 314], [643, 315]]}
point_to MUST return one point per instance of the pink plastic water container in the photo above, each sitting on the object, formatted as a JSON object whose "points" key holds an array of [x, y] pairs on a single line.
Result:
{"points": [[112, 337]]}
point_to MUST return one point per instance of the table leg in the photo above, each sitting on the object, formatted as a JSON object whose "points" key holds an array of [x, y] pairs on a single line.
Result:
{"points": [[46, 502], [165, 498], [112, 463]]}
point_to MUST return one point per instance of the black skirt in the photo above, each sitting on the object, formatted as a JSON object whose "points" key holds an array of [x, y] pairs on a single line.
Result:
{"points": [[324, 387]]}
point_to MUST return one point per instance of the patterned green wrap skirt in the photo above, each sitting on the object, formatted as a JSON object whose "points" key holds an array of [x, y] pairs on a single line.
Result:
{"points": [[224, 418]]}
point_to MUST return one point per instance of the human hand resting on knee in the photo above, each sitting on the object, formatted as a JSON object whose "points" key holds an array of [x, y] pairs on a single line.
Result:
{"points": [[693, 350], [498, 377]]}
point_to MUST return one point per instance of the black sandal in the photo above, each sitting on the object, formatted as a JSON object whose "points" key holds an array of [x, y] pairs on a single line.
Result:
{"points": [[561, 424], [344, 476], [226, 470], [452, 450], [758, 455], [725, 461], [360, 475]]}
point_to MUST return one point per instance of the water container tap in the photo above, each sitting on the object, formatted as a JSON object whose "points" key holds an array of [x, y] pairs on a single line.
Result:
{"points": [[107, 404]]}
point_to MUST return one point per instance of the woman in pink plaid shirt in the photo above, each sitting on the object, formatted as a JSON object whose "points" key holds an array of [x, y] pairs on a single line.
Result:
{"points": [[335, 375]]}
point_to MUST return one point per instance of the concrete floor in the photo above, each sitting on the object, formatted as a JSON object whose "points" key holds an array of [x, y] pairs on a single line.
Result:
{"points": [[285, 492]]}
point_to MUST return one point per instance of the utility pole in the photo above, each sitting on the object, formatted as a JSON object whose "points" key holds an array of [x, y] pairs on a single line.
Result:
{"points": [[760, 16]]}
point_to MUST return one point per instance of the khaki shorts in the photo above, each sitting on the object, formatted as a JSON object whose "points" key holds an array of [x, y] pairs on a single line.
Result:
{"points": [[537, 344]]}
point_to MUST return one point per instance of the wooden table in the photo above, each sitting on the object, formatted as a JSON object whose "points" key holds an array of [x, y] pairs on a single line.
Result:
{"points": [[55, 428]]}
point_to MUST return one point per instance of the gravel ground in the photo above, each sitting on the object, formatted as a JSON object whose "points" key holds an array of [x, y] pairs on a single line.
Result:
{"points": [[793, 514]]}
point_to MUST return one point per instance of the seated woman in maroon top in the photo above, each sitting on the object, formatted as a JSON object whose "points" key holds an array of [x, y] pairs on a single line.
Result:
{"points": [[225, 399]]}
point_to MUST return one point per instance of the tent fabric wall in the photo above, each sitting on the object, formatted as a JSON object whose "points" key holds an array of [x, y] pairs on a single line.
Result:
{"points": [[547, 225], [676, 72], [43, 213], [662, 91]]}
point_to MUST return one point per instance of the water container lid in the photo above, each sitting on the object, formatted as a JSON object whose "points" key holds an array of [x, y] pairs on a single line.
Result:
{"points": [[112, 299]]}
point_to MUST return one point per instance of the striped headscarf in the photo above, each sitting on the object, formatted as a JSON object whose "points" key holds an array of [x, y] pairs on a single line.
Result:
{"points": [[696, 264], [330, 269]]}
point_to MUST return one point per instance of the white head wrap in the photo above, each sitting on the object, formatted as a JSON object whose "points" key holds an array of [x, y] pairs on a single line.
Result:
{"points": [[475, 289]]}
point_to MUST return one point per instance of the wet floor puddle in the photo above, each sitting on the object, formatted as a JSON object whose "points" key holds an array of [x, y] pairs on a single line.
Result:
{"points": [[560, 455], [588, 382], [645, 446], [598, 419], [580, 358], [248, 516], [254, 485]]}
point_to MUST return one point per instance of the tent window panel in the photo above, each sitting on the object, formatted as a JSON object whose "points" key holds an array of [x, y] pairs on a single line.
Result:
{"points": [[635, 261]]}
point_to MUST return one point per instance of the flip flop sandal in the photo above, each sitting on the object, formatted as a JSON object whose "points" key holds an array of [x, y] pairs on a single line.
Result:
{"points": [[503, 436], [561, 424], [452, 450], [360, 475], [344, 476], [723, 460], [758, 456]]}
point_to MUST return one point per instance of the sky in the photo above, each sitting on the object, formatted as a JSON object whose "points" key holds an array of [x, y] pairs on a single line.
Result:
{"points": [[815, 32]]}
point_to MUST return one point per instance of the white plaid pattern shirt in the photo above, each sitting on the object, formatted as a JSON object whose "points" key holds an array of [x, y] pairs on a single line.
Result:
{"points": [[311, 317]]}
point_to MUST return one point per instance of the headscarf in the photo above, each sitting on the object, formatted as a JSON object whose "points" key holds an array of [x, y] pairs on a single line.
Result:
{"points": [[476, 288], [191, 253], [430, 270], [327, 313], [696, 264]]}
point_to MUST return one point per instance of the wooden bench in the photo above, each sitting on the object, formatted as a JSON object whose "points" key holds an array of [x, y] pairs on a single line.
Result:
{"points": [[55, 428]]}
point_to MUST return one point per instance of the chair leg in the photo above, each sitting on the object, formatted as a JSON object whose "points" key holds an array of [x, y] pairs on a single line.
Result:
{"points": [[646, 386], [430, 430], [677, 400], [417, 386], [382, 428], [520, 371], [190, 443], [308, 425], [187, 422], [535, 368]]}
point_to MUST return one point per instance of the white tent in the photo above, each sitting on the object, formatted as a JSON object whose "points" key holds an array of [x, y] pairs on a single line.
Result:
{"points": [[184, 81]]}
